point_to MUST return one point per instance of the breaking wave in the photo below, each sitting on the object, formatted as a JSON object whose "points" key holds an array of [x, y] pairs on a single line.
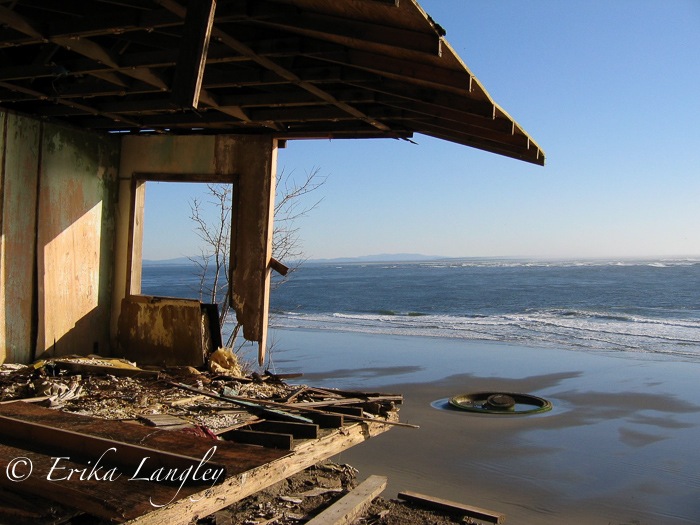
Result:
{"points": [[679, 338]]}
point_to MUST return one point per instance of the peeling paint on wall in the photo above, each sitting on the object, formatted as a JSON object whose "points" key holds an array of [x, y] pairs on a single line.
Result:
{"points": [[75, 240], [56, 250], [20, 169], [164, 331]]}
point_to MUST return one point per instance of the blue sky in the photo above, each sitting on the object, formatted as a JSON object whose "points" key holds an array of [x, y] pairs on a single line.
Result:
{"points": [[609, 90]]}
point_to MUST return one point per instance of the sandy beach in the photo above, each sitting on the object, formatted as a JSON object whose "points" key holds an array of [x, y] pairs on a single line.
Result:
{"points": [[619, 446]]}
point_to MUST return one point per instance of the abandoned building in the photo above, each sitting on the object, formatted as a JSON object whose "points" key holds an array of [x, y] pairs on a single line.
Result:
{"points": [[97, 97]]}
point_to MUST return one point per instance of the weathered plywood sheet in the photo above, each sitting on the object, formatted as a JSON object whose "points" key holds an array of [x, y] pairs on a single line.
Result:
{"points": [[20, 154], [256, 160], [123, 494], [77, 195]]}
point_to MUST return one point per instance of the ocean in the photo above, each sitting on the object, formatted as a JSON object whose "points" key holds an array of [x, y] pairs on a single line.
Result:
{"points": [[647, 307], [614, 345]]}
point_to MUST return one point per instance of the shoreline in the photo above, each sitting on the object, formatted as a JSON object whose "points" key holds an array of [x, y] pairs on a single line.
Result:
{"points": [[618, 446]]}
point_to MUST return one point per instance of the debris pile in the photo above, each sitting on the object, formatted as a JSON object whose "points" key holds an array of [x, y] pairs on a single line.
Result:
{"points": [[215, 404]]}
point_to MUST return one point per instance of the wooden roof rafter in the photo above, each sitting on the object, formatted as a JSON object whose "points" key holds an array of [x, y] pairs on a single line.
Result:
{"points": [[291, 68], [364, 34], [269, 64]]}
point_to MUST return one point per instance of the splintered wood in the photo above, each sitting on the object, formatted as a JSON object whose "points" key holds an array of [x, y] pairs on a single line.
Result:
{"points": [[353, 504], [160, 464]]}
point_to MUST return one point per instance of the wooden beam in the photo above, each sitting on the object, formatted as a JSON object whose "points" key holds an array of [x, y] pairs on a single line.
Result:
{"points": [[248, 403], [285, 406], [350, 32], [194, 44], [92, 50], [265, 439], [353, 504], [271, 65], [82, 46], [237, 487], [345, 410], [317, 113], [19, 23], [413, 72], [66, 102], [452, 506], [278, 267], [469, 110], [326, 419], [297, 430], [533, 155], [294, 98]]}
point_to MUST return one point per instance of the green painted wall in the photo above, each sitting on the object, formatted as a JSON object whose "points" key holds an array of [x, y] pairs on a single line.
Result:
{"points": [[19, 174], [58, 207]]}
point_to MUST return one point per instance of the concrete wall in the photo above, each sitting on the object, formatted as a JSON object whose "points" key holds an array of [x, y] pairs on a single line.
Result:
{"points": [[19, 172], [58, 202], [250, 162], [71, 218], [163, 331]]}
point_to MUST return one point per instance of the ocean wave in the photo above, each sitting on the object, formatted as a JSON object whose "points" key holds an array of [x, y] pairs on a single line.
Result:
{"points": [[525, 263], [553, 327]]}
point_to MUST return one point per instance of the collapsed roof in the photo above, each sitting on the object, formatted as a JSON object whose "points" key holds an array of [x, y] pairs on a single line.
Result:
{"points": [[291, 68]]}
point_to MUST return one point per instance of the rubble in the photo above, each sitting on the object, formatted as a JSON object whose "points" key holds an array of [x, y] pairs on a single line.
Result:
{"points": [[210, 404], [259, 409]]}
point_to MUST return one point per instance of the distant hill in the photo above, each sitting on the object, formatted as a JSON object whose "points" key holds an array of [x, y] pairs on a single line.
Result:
{"points": [[382, 257], [167, 262]]}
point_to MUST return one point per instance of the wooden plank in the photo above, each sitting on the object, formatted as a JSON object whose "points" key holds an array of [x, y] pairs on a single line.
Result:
{"points": [[265, 439], [240, 424], [37, 399], [452, 506], [86, 447], [94, 51], [235, 488], [19, 23], [164, 420], [18, 509], [248, 403], [293, 395], [298, 430], [297, 406], [352, 505], [82, 367], [236, 457], [355, 33], [326, 420], [82, 485], [278, 266], [88, 495], [367, 396], [349, 411]]}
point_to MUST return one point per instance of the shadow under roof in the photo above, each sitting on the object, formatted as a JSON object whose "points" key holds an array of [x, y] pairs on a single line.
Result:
{"points": [[291, 68]]}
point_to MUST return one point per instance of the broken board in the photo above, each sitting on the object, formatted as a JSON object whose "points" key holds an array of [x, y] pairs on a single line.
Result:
{"points": [[117, 493]]}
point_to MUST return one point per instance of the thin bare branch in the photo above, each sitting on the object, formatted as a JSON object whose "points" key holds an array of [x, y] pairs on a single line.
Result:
{"points": [[215, 234]]}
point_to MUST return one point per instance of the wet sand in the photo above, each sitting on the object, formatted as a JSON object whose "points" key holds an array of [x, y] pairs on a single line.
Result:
{"points": [[619, 446]]}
